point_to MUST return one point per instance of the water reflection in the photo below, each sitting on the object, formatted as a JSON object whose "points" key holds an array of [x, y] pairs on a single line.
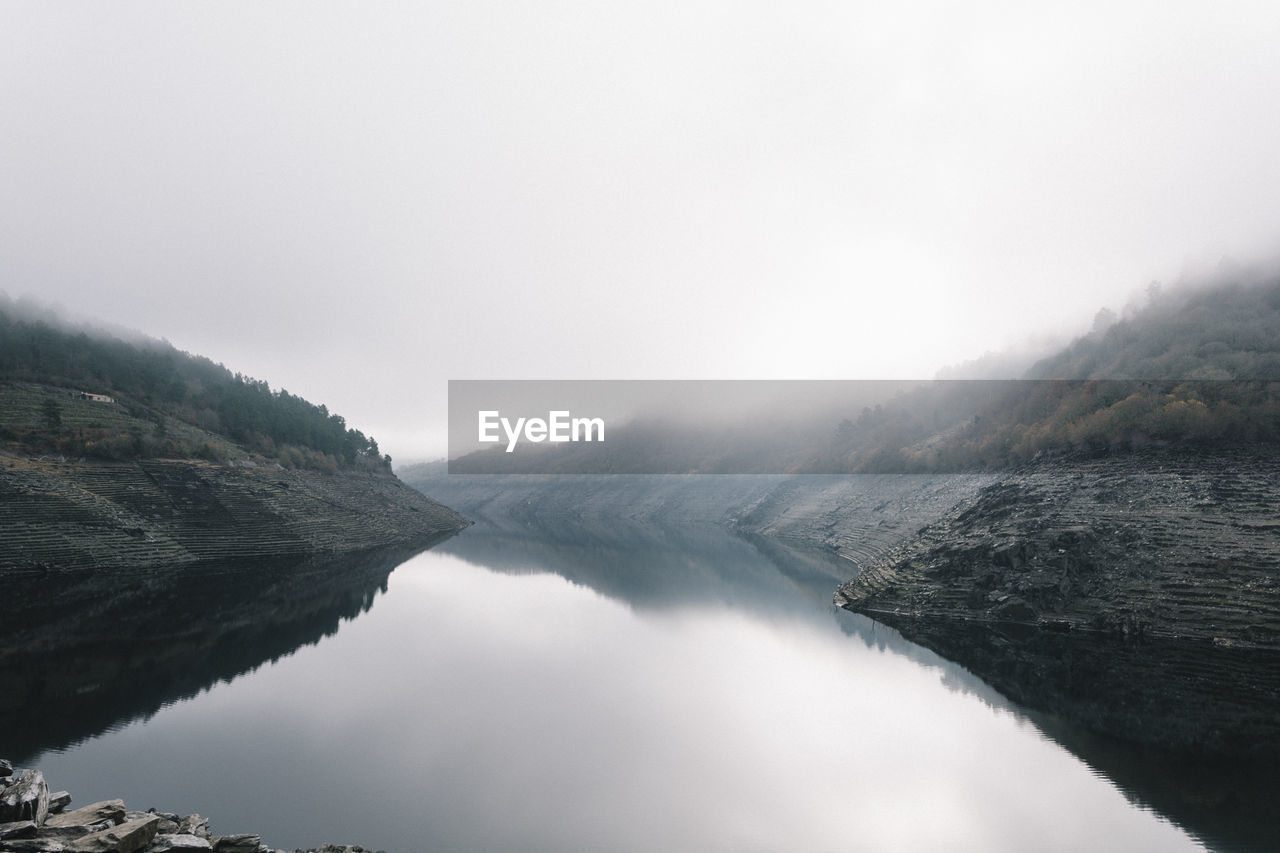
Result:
{"points": [[471, 710], [681, 565], [83, 652], [1160, 689], [1227, 803], [552, 693]]}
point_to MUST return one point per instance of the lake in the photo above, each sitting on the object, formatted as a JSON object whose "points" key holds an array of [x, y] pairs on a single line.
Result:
{"points": [[550, 693]]}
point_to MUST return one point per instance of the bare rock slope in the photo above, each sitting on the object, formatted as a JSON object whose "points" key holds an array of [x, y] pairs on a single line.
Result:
{"points": [[1140, 592], [68, 515]]}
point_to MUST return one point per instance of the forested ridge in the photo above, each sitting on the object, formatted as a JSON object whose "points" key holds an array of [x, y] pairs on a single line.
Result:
{"points": [[1228, 330], [165, 402], [1191, 366]]}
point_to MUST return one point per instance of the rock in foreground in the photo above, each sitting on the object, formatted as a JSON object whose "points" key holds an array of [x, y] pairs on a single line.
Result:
{"points": [[29, 823]]}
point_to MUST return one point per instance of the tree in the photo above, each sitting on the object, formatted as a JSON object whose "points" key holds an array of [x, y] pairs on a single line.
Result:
{"points": [[52, 414], [1103, 320]]}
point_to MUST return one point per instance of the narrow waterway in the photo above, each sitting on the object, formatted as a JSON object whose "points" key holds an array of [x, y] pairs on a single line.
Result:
{"points": [[491, 697]]}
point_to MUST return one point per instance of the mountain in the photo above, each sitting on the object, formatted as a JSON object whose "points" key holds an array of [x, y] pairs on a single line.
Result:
{"points": [[1197, 365], [80, 391], [1225, 329], [118, 454], [1123, 566], [1109, 555]]}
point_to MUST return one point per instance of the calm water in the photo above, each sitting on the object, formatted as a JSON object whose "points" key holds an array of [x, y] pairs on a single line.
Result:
{"points": [[484, 702]]}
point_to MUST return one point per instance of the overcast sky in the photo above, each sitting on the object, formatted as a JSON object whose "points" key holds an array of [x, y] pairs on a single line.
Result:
{"points": [[358, 201]]}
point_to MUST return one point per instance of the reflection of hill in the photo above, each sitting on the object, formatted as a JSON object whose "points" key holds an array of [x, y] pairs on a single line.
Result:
{"points": [[82, 654], [660, 565], [767, 543], [635, 562], [827, 526], [648, 544], [604, 499], [1155, 693]]}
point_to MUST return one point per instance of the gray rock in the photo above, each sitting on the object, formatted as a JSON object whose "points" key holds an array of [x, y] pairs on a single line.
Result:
{"points": [[35, 845], [17, 829], [165, 843], [111, 811], [25, 798], [6, 769], [237, 843], [68, 833], [195, 825], [58, 801], [1015, 609], [128, 837]]}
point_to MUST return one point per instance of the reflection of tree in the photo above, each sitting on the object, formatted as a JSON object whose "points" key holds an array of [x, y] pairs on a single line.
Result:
{"points": [[660, 563], [1200, 749], [79, 655]]}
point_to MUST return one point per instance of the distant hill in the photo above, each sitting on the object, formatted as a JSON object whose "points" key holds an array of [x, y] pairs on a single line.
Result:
{"points": [[124, 455], [1194, 365], [1120, 568], [1206, 331], [82, 392]]}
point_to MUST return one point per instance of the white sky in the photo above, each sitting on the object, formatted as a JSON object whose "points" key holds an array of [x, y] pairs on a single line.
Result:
{"points": [[358, 201]]}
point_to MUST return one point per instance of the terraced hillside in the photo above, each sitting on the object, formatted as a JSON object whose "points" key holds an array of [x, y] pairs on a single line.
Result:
{"points": [[1187, 545], [1139, 592], [80, 515], [856, 518], [27, 406]]}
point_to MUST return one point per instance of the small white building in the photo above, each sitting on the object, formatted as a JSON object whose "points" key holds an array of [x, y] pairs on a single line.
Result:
{"points": [[97, 398]]}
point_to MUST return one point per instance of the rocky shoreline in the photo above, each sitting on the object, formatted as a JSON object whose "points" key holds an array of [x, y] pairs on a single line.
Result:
{"points": [[35, 819], [148, 581], [1139, 592], [1134, 596]]}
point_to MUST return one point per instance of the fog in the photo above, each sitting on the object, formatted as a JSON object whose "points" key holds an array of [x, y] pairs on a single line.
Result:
{"points": [[360, 202]]}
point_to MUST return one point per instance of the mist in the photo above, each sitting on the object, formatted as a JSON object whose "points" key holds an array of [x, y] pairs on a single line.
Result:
{"points": [[361, 203]]}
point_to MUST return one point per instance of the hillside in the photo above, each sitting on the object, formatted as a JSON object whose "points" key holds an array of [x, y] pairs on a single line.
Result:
{"points": [[1222, 329], [79, 391], [1122, 568], [85, 514], [1197, 365], [124, 454]]}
